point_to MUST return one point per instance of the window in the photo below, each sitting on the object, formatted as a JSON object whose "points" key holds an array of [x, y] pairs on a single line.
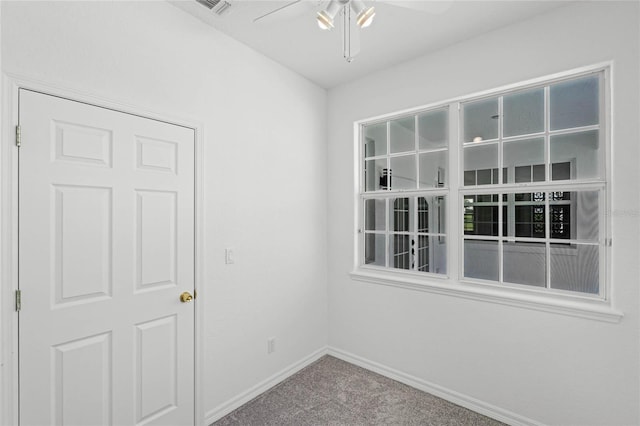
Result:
{"points": [[530, 184], [404, 192], [530, 224]]}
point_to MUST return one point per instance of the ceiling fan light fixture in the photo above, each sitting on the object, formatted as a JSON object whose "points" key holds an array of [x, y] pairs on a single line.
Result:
{"points": [[325, 17], [324, 21], [364, 14]]}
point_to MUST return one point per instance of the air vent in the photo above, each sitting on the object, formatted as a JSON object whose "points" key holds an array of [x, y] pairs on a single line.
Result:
{"points": [[216, 6], [209, 4]]}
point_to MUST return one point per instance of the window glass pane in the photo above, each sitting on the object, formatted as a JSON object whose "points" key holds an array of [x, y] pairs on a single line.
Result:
{"points": [[522, 174], [525, 215], [480, 120], [403, 172], [469, 177], [575, 215], [483, 160], [424, 207], [481, 259], [401, 214], [374, 215], [403, 134], [525, 263], [582, 150], [522, 157], [433, 170], [561, 171], [538, 173], [375, 175], [374, 249], [480, 215], [575, 267], [439, 225], [484, 176], [433, 129], [431, 254], [523, 113], [375, 140], [574, 103], [432, 214], [400, 248]]}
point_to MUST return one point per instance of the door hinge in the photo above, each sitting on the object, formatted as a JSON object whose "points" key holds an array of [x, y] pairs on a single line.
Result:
{"points": [[18, 300], [18, 137]]}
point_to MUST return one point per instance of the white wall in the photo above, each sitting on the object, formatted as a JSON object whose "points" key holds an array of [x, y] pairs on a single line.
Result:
{"points": [[265, 163], [547, 367]]}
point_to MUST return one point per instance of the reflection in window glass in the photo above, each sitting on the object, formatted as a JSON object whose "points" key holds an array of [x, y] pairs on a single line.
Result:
{"points": [[523, 113], [583, 149], [400, 250], [575, 103], [526, 211], [583, 223], [481, 260], [403, 172], [403, 135], [374, 249], [401, 214], [376, 175], [433, 169], [374, 215], [480, 120], [520, 156], [483, 161], [375, 140], [423, 214], [575, 267], [433, 129], [480, 215], [431, 254], [525, 263]]}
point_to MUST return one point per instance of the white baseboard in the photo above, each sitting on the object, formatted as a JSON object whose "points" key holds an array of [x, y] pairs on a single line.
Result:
{"points": [[246, 396], [466, 401]]}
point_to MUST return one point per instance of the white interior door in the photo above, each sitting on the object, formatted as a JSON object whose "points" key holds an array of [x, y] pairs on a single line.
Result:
{"points": [[106, 239]]}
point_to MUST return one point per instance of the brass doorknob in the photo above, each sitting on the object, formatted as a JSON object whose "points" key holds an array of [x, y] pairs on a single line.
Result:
{"points": [[186, 297]]}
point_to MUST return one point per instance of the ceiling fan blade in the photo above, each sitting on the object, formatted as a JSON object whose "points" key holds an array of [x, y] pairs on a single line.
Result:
{"points": [[276, 10], [429, 6]]}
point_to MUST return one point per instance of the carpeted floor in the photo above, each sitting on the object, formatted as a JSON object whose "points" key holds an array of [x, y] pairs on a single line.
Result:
{"points": [[334, 392]]}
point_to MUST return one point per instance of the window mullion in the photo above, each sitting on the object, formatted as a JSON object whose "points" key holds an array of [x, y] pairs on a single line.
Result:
{"points": [[386, 233], [547, 202]]}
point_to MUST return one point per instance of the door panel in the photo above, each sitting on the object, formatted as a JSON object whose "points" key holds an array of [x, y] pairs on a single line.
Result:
{"points": [[156, 239], [82, 371], [156, 368], [106, 249], [82, 243]]}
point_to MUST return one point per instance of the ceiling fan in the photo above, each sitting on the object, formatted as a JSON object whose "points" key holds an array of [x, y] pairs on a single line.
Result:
{"points": [[355, 14]]}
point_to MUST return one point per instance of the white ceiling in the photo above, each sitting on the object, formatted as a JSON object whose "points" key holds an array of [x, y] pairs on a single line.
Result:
{"points": [[292, 37]]}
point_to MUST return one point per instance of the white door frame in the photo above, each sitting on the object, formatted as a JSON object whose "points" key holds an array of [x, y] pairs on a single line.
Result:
{"points": [[11, 83]]}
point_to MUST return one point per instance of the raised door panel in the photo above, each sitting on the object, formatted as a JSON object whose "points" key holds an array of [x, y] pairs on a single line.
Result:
{"points": [[156, 352], [82, 386], [156, 239], [82, 243], [82, 144], [156, 155]]}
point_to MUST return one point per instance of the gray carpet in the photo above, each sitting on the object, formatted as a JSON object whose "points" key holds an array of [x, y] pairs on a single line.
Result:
{"points": [[334, 392]]}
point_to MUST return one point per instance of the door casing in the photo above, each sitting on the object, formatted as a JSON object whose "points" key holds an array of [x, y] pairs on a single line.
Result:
{"points": [[9, 357]]}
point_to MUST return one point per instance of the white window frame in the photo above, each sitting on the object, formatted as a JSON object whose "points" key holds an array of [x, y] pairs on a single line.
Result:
{"points": [[599, 307]]}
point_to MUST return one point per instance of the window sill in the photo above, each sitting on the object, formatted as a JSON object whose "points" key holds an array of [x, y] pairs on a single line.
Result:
{"points": [[589, 309]]}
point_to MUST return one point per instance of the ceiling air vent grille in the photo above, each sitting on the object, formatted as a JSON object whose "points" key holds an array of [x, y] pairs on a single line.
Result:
{"points": [[217, 6]]}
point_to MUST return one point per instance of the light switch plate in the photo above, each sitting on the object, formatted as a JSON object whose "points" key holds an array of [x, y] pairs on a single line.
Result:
{"points": [[229, 256]]}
